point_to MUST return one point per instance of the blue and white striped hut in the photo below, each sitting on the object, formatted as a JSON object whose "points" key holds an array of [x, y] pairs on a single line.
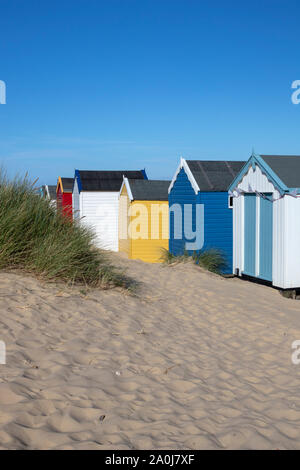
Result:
{"points": [[266, 220]]}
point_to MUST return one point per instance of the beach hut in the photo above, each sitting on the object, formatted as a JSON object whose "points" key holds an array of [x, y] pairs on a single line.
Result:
{"points": [[96, 202], [266, 220], [64, 191], [200, 210], [144, 219], [48, 191]]}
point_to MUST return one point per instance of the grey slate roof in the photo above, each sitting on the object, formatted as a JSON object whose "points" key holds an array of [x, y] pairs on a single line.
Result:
{"points": [[287, 168], [52, 191], [149, 190], [67, 184], [106, 180], [214, 175]]}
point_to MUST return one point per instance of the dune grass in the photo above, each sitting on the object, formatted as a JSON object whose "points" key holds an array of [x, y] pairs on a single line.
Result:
{"points": [[36, 238], [212, 259], [169, 258]]}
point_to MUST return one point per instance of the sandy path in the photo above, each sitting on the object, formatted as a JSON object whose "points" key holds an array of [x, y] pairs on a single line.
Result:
{"points": [[194, 361]]}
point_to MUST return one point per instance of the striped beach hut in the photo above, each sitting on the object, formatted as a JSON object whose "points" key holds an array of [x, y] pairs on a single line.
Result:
{"points": [[64, 189], [96, 202], [266, 220], [200, 210], [144, 219]]}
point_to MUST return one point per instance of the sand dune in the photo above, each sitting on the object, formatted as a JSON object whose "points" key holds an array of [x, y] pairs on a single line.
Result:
{"points": [[192, 361]]}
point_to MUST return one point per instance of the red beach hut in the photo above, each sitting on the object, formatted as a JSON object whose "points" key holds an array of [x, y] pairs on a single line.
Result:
{"points": [[64, 190]]}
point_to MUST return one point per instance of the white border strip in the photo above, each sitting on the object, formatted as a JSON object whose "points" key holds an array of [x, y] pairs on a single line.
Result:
{"points": [[126, 182], [47, 191], [257, 242], [183, 164]]}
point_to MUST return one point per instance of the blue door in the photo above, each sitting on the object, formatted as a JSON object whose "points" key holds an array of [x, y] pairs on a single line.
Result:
{"points": [[249, 234], [265, 238]]}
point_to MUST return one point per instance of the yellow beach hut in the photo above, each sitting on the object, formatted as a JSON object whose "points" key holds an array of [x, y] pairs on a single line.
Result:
{"points": [[144, 219]]}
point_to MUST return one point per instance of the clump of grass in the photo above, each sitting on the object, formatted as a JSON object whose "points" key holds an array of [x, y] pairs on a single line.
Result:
{"points": [[37, 238], [168, 258], [212, 259]]}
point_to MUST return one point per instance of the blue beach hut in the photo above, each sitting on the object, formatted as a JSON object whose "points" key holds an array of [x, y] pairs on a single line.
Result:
{"points": [[200, 208]]}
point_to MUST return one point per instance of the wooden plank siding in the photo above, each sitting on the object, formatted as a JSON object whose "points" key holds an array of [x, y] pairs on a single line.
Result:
{"points": [[217, 218], [150, 250], [181, 193], [100, 212], [140, 223]]}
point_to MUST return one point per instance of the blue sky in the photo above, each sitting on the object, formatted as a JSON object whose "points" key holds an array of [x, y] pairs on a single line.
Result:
{"points": [[128, 84]]}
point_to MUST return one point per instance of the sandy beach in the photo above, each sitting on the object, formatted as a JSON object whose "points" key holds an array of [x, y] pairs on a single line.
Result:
{"points": [[193, 361]]}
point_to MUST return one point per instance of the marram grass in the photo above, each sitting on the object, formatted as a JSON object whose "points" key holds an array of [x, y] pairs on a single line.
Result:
{"points": [[168, 258], [38, 239], [212, 259]]}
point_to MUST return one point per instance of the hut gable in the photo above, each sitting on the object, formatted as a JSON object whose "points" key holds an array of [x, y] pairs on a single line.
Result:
{"points": [[182, 193], [258, 177], [64, 185]]}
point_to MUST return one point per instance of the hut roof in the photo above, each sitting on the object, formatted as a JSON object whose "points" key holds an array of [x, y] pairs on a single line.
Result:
{"points": [[286, 167], [214, 175], [51, 190], [105, 180], [67, 184], [149, 190]]}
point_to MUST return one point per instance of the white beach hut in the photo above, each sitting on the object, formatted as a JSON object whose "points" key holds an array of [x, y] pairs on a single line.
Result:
{"points": [[96, 202], [266, 220], [48, 191]]}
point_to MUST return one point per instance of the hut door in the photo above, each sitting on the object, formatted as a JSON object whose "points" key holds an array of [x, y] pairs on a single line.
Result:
{"points": [[265, 238], [249, 234]]}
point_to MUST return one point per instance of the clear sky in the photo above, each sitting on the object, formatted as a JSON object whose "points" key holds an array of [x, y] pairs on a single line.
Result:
{"points": [[128, 84]]}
